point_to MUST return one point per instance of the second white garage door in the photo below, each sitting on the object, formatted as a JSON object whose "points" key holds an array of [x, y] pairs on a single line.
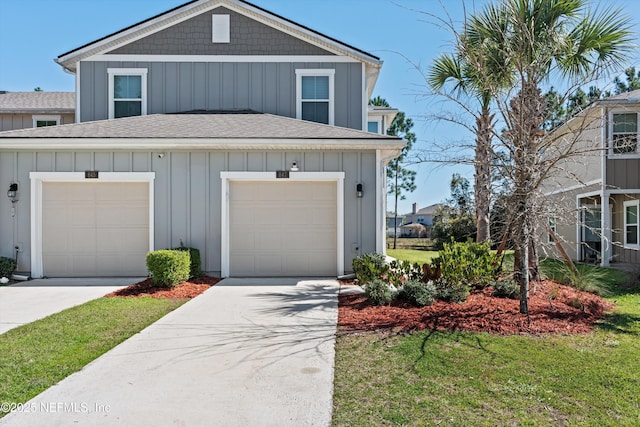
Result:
{"points": [[282, 229], [95, 229]]}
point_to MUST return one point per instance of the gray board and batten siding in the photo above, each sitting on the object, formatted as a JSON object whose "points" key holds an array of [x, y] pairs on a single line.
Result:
{"points": [[193, 37], [187, 192], [186, 86]]}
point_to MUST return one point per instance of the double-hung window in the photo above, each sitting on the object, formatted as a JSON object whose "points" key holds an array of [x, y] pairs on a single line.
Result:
{"points": [[314, 95], [624, 134], [631, 225], [127, 92]]}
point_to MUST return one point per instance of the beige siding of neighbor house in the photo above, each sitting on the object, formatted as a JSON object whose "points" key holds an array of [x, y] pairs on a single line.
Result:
{"points": [[25, 121], [562, 209], [187, 196]]}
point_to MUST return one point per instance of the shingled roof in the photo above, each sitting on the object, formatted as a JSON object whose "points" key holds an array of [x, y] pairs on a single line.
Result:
{"points": [[36, 102], [197, 129]]}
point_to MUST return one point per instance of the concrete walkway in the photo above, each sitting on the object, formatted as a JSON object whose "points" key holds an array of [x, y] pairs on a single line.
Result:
{"points": [[245, 353], [26, 302]]}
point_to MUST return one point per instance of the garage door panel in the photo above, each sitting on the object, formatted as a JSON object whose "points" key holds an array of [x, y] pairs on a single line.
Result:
{"points": [[95, 229], [293, 231], [324, 215], [269, 215], [324, 193], [269, 240]]}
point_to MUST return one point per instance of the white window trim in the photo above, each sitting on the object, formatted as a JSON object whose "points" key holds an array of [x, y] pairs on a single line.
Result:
{"points": [[37, 178], [47, 118], [635, 203], [377, 120], [328, 72], [610, 138], [142, 72], [226, 177], [553, 225]]}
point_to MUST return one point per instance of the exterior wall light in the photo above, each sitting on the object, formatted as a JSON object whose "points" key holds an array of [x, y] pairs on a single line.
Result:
{"points": [[12, 193], [359, 191], [294, 167]]}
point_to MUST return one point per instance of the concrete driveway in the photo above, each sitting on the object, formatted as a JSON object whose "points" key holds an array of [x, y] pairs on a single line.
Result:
{"points": [[255, 352], [26, 302]]}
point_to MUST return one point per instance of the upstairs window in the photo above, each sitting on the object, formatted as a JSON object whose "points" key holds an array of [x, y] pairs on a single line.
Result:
{"points": [[127, 92], [44, 121], [624, 135], [314, 95]]}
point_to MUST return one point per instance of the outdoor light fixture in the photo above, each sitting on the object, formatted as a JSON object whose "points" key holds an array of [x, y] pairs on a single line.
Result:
{"points": [[294, 167], [12, 193], [359, 191]]}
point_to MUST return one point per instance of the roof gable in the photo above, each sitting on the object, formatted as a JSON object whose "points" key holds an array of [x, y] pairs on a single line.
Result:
{"points": [[128, 36], [193, 37]]}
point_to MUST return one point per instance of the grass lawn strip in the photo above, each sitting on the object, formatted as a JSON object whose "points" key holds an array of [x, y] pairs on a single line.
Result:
{"points": [[36, 356]]}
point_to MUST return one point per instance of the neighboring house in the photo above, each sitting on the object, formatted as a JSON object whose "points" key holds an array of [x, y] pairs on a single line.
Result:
{"points": [[413, 230], [599, 191], [380, 118], [20, 110], [422, 216], [216, 124], [391, 219]]}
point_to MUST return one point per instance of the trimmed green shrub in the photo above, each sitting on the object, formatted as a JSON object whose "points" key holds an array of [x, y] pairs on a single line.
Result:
{"points": [[379, 292], [195, 267], [464, 265], [505, 288], [168, 268], [418, 293], [368, 267], [7, 265]]}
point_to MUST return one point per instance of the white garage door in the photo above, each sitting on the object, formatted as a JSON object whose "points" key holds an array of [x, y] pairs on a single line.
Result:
{"points": [[94, 229], [282, 229]]}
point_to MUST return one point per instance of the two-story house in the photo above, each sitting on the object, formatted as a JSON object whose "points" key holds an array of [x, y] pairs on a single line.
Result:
{"points": [[596, 192], [216, 124]]}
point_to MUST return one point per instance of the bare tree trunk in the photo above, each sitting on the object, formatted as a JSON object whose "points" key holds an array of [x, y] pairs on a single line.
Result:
{"points": [[395, 210], [482, 187]]}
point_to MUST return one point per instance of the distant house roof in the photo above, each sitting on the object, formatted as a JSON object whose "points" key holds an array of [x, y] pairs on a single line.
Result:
{"points": [[634, 95], [37, 102], [429, 210], [205, 129]]}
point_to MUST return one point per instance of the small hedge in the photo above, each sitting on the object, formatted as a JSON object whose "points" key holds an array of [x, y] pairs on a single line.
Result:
{"points": [[7, 266], [168, 268], [195, 267], [379, 292]]}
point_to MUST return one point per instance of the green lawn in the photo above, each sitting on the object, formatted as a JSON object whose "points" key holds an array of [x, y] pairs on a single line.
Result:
{"points": [[35, 356], [471, 379], [412, 255]]}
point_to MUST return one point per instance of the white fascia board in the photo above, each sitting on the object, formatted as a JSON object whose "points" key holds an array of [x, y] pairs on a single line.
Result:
{"points": [[132, 34], [392, 148], [222, 58]]}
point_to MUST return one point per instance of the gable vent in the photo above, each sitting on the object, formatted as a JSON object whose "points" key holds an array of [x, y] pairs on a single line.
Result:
{"points": [[220, 31]]}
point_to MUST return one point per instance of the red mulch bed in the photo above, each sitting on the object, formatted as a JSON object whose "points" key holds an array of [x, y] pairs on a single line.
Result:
{"points": [[548, 310], [189, 289]]}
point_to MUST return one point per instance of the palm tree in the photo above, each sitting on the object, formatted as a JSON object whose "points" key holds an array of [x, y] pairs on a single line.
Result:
{"points": [[541, 38], [478, 70]]}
